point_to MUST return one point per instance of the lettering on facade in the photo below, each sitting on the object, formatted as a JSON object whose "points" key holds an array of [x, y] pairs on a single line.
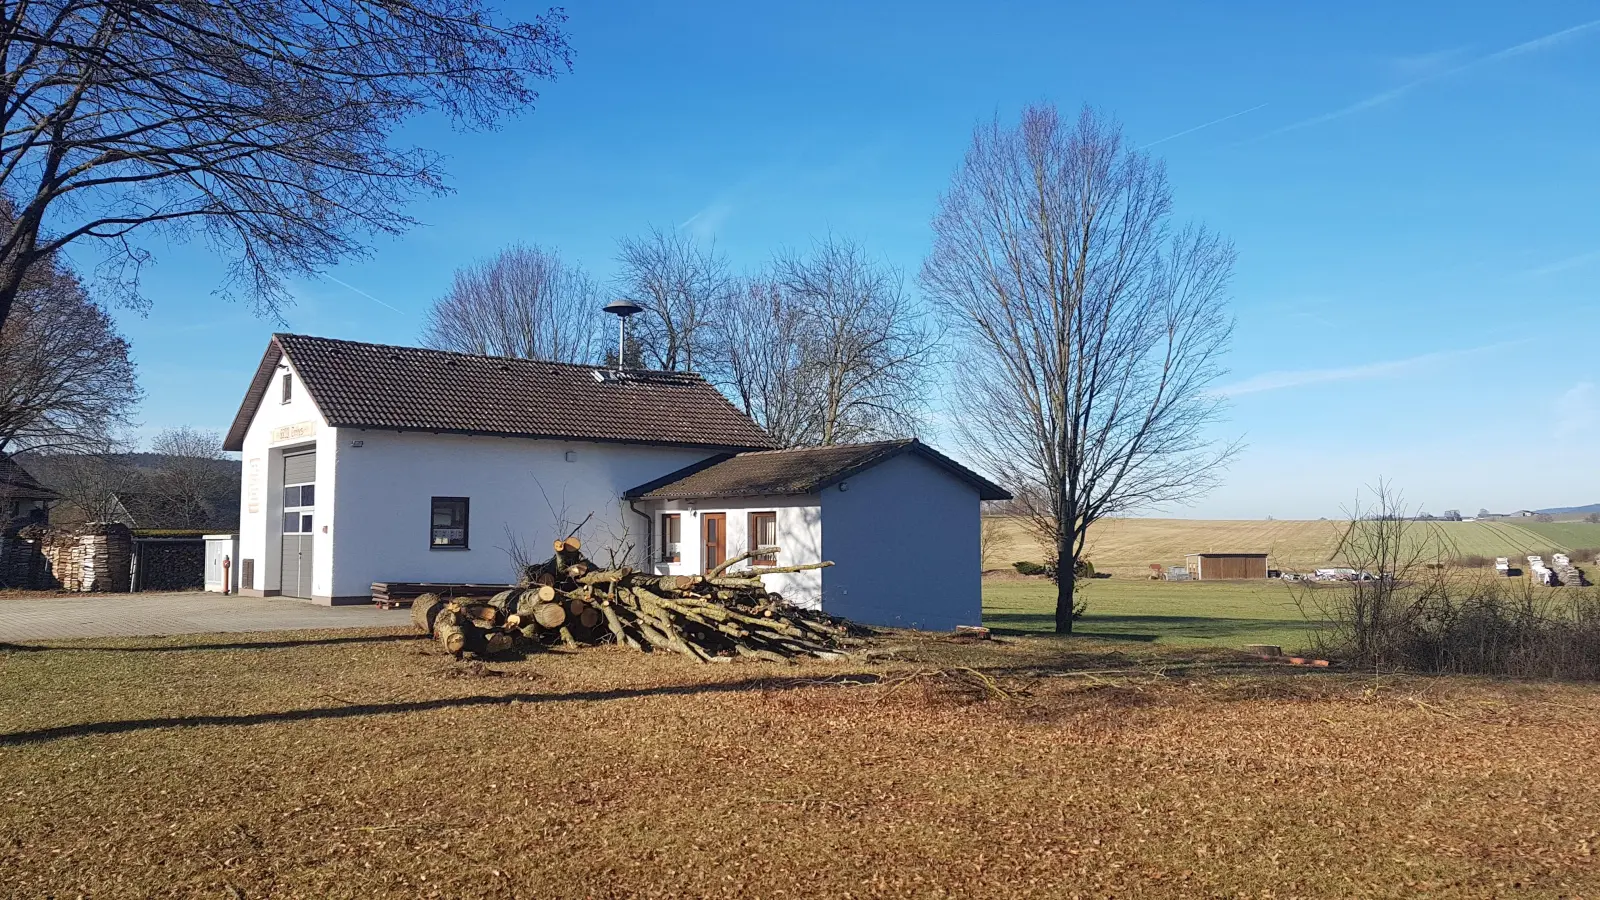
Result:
{"points": [[252, 485], [291, 432]]}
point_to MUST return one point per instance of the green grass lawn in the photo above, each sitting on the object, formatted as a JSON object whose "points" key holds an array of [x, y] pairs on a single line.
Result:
{"points": [[1220, 613], [1567, 535]]}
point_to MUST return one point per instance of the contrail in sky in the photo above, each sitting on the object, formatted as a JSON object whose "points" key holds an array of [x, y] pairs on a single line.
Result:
{"points": [[1378, 99], [361, 292], [1198, 127], [1277, 381]]}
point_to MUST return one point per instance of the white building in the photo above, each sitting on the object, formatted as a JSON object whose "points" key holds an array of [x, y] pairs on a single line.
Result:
{"points": [[368, 463]]}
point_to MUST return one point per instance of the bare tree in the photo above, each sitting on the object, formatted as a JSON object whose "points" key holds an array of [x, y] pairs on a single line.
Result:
{"points": [[1401, 567], [66, 382], [88, 483], [867, 347], [1091, 331], [193, 478], [681, 286], [992, 539], [187, 442], [524, 302], [767, 347], [265, 126]]}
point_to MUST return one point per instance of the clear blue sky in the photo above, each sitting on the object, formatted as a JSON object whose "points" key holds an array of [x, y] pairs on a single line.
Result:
{"points": [[1414, 191]]}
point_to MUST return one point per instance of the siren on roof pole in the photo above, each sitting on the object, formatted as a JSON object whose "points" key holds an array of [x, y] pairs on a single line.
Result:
{"points": [[622, 309]]}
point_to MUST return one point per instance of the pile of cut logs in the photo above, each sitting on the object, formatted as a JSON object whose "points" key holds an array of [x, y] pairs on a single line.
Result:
{"points": [[570, 600]]}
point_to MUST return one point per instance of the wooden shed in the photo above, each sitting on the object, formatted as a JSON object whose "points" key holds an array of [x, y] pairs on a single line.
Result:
{"points": [[1221, 566]]}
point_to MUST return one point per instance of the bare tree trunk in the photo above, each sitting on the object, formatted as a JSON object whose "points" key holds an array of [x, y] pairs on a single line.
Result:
{"points": [[14, 271], [1066, 582]]}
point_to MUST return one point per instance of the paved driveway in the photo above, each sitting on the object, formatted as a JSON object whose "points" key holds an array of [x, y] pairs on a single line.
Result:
{"points": [[137, 615]]}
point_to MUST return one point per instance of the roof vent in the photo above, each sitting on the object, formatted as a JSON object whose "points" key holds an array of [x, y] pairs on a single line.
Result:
{"points": [[605, 376]]}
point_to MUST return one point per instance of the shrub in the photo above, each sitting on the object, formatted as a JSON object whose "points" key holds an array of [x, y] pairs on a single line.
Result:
{"points": [[1472, 561], [1447, 626], [1024, 567]]}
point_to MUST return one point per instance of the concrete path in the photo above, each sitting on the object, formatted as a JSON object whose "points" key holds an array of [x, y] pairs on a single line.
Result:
{"points": [[137, 615]]}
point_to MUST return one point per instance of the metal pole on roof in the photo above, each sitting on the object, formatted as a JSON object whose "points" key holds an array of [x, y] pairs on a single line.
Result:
{"points": [[622, 309]]}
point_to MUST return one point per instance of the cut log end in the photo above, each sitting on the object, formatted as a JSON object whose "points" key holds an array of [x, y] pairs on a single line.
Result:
{"points": [[710, 618]]}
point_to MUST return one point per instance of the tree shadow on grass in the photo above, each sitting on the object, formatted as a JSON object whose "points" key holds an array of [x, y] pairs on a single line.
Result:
{"points": [[232, 645], [355, 710], [1143, 628], [1203, 626]]}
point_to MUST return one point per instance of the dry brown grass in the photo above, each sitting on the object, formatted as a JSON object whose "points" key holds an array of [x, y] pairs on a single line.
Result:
{"points": [[358, 765], [1127, 547]]}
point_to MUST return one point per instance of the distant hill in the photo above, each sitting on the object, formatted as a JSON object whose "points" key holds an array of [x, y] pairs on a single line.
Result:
{"points": [[1570, 510], [147, 494]]}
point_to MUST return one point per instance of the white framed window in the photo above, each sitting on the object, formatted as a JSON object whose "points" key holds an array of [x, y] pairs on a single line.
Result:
{"points": [[764, 533], [299, 508], [672, 537]]}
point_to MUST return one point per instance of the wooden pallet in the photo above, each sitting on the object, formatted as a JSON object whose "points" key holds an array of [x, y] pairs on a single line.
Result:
{"points": [[401, 594]]}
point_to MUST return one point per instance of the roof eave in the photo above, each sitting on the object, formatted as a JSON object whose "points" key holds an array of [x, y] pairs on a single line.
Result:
{"points": [[252, 397], [531, 436], [987, 490], [640, 492], [720, 495]]}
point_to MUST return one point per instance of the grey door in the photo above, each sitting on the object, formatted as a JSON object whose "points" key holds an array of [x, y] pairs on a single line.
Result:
{"points": [[299, 522]]}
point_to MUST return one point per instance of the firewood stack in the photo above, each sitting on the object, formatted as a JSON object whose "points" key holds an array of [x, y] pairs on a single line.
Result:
{"points": [[568, 599]]}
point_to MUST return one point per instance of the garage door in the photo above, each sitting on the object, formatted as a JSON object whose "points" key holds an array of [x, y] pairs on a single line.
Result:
{"points": [[299, 522]]}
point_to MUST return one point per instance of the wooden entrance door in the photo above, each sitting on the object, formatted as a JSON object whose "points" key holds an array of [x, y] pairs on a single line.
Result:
{"points": [[714, 531]]}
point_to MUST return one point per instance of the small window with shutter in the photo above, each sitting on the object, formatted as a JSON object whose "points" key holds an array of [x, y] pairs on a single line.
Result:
{"points": [[764, 534]]}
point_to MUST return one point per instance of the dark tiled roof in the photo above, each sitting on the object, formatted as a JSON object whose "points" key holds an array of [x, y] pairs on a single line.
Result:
{"points": [[17, 484], [145, 510], [358, 385], [806, 470]]}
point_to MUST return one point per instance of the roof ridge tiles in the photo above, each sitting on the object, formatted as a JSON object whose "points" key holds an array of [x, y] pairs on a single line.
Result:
{"points": [[895, 442], [497, 358], [357, 384]]}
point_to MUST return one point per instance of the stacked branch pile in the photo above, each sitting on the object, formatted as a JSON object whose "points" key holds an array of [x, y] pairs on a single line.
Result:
{"points": [[570, 600]]}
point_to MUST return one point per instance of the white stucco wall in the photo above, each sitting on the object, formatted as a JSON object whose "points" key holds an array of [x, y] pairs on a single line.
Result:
{"points": [[276, 428], [799, 522], [385, 487], [904, 540]]}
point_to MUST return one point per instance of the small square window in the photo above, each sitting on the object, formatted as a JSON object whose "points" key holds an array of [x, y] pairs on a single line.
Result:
{"points": [[671, 538], [308, 495], [764, 534], [291, 497], [305, 523], [448, 523], [291, 523]]}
